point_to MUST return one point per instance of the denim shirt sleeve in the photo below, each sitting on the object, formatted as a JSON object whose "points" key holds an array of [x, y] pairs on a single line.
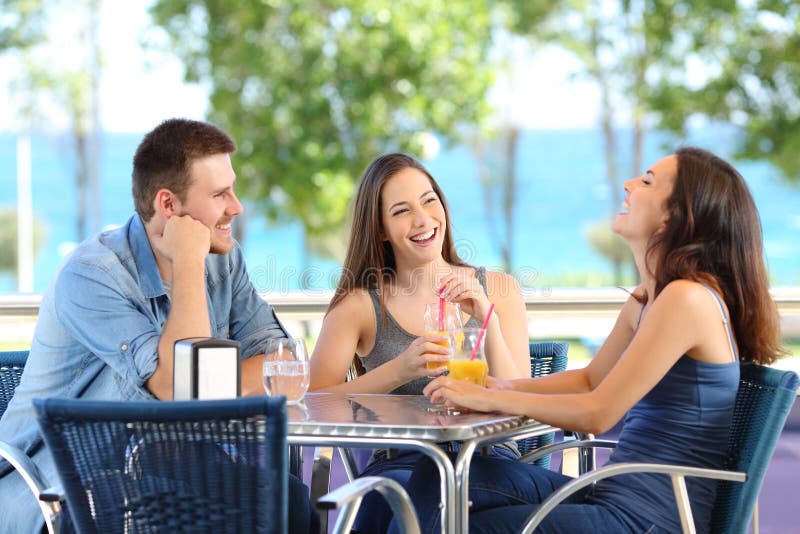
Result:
{"points": [[252, 319], [105, 312]]}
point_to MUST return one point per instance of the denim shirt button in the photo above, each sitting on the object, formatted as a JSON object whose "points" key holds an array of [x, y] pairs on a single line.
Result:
{"points": [[124, 347]]}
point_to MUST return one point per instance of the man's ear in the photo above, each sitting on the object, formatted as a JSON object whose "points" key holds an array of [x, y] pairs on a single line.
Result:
{"points": [[166, 203]]}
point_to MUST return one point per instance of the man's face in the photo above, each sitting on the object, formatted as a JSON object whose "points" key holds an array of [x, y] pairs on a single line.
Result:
{"points": [[210, 199]]}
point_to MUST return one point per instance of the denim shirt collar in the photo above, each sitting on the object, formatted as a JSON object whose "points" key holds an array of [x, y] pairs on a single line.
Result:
{"points": [[149, 276]]}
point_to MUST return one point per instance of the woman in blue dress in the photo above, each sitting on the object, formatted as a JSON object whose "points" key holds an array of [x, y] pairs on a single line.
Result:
{"points": [[671, 363]]}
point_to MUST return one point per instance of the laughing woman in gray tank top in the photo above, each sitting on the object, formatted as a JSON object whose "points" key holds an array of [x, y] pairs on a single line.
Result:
{"points": [[401, 255]]}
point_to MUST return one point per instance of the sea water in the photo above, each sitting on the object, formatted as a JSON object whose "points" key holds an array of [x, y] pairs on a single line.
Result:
{"points": [[561, 191]]}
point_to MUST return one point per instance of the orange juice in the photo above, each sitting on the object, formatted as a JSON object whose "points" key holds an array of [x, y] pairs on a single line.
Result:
{"points": [[474, 371], [445, 344]]}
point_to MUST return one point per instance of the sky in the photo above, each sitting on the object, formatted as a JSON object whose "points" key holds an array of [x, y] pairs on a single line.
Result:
{"points": [[139, 89]]}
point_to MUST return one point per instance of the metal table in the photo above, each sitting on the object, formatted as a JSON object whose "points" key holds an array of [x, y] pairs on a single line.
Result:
{"points": [[408, 422]]}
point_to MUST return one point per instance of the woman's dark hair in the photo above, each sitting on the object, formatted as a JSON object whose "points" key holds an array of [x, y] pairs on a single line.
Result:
{"points": [[713, 236], [370, 261]]}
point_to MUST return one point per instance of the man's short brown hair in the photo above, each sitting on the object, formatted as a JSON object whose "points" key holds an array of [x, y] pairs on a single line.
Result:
{"points": [[164, 156]]}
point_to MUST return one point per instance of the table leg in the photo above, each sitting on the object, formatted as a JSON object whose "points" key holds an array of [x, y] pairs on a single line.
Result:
{"points": [[449, 503], [462, 485], [320, 480], [447, 489]]}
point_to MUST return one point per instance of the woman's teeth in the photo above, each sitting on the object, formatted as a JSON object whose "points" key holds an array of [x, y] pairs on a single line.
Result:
{"points": [[424, 237]]}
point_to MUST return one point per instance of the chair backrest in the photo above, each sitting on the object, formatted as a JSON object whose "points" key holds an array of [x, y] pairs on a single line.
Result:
{"points": [[174, 466], [763, 402], [12, 363], [546, 357]]}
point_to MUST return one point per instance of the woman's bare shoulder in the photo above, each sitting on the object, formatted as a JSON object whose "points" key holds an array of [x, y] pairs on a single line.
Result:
{"points": [[502, 284], [356, 303], [687, 297]]}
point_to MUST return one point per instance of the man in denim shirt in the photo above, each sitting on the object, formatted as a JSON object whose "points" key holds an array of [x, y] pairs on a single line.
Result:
{"points": [[110, 318]]}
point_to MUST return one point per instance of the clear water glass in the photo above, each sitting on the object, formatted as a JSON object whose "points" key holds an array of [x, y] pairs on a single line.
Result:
{"points": [[286, 369]]}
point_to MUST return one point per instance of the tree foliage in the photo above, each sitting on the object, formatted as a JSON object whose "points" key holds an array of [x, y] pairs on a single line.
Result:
{"points": [[8, 238], [312, 90], [20, 23], [658, 63], [617, 43], [741, 65]]}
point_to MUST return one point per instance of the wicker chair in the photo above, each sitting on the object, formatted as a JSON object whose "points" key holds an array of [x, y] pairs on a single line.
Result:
{"points": [[546, 357], [12, 363], [763, 402], [146, 466]]}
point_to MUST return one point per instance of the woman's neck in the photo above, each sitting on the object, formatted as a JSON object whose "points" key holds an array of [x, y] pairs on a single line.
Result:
{"points": [[646, 266], [423, 277]]}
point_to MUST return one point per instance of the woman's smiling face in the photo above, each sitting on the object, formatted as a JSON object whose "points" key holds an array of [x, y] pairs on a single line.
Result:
{"points": [[413, 217]]}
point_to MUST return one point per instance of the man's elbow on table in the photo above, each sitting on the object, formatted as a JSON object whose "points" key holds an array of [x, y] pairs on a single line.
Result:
{"points": [[252, 379], [160, 384]]}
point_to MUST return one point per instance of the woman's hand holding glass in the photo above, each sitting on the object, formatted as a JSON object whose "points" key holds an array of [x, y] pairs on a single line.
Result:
{"points": [[467, 366], [450, 319], [427, 355], [460, 394]]}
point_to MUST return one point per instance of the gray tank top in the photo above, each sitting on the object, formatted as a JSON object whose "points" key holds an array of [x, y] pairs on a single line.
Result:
{"points": [[391, 339]]}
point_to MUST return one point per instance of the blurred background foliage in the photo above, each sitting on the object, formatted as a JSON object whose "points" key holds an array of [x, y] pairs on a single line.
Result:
{"points": [[8, 238], [312, 90]]}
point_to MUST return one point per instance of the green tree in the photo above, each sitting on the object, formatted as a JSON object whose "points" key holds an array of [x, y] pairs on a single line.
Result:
{"points": [[313, 90], [20, 23], [8, 238], [72, 90], [740, 65], [624, 46]]}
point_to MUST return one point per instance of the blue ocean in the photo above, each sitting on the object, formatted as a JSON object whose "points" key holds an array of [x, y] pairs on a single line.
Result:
{"points": [[561, 191]]}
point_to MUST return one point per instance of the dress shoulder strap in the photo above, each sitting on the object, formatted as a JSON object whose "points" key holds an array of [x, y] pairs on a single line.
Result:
{"points": [[725, 319], [480, 274]]}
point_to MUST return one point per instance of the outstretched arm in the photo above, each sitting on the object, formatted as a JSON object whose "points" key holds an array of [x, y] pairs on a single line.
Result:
{"points": [[680, 321]]}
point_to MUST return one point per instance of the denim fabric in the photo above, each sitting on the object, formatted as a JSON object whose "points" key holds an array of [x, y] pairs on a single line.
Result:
{"points": [[504, 493], [99, 325], [374, 514]]}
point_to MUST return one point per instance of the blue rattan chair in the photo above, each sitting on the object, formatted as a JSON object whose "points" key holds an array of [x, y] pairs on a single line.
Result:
{"points": [[546, 357], [12, 363], [186, 466], [763, 402]]}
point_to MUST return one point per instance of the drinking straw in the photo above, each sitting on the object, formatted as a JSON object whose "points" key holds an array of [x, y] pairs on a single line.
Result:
{"points": [[483, 331], [441, 314]]}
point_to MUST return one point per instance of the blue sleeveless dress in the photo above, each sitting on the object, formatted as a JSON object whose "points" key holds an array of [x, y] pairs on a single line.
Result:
{"points": [[683, 420]]}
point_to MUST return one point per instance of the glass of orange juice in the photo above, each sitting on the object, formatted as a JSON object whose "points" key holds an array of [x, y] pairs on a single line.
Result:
{"points": [[451, 319], [467, 356]]}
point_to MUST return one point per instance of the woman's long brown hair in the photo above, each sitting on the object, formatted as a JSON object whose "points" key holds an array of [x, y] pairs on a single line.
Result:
{"points": [[370, 261], [713, 236]]}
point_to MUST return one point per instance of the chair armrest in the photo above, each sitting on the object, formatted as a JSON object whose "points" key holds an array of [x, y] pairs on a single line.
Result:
{"points": [[53, 494], [348, 497], [567, 444], [29, 471], [676, 472]]}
